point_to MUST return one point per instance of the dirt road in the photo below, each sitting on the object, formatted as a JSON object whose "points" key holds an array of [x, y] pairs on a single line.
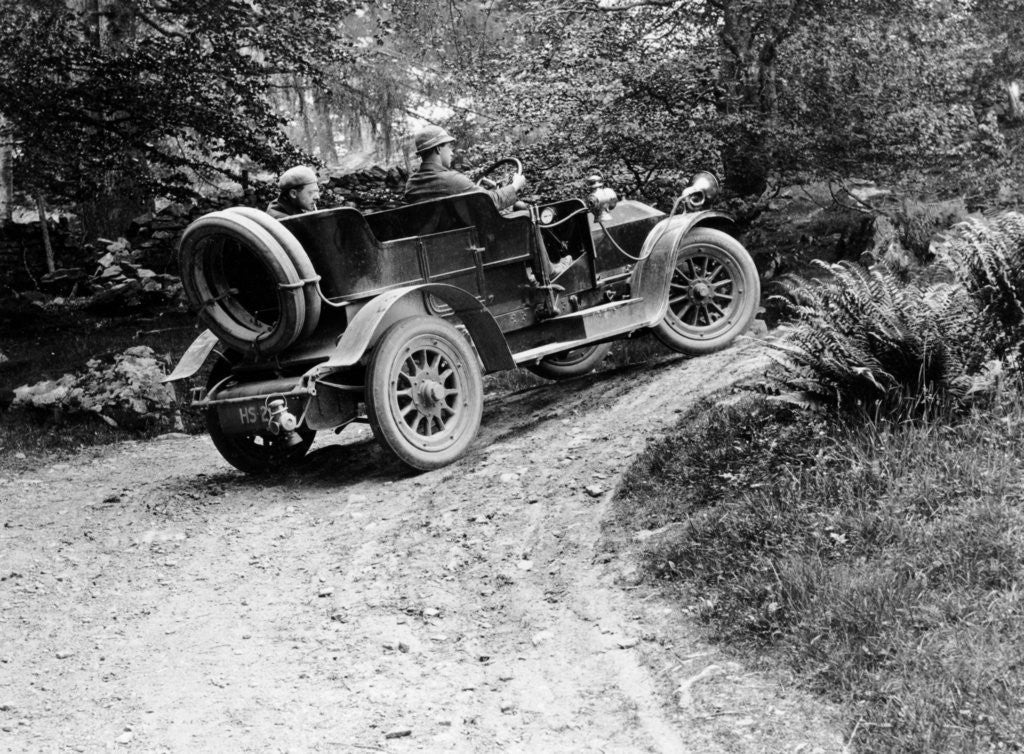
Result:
{"points": [[154, 599]]}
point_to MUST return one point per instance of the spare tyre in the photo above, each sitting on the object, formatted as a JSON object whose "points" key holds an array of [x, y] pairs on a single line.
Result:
{"points": [[299, 257], [242, 282]]}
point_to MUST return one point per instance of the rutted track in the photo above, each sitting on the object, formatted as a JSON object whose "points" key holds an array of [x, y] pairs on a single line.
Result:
{"points": [[154, 599]]}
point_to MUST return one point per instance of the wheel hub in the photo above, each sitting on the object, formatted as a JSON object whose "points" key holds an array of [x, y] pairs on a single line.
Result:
{"points": [[429, 393], [701, 292]]}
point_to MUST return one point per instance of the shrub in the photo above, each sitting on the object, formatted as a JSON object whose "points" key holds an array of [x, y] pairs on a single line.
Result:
{"points": [[863, 339], [987, 257], [918, 223], [125, 389]]}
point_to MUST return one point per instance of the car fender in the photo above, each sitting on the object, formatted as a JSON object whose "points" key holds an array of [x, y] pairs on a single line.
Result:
{"points": [[653, 273], [374, 317], [194, 357]]}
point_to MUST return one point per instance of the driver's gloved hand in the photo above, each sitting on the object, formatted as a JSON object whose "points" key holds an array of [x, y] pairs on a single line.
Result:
{"points": [[520, 204], [519, 181]]}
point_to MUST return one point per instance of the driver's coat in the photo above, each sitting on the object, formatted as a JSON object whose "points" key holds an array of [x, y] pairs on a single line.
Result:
{"points": [[432, 181]]}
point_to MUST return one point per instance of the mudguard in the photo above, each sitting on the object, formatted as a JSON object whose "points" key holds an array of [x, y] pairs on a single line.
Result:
{"points": [[369, 323], [653, 273], [194, 357]]}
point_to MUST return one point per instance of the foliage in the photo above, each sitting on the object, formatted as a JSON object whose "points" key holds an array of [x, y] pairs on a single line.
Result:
{"points": [[154, 91], [647, 91], [125, 389], [881, 562], [987, 256], [919, 222], [864, 340]]}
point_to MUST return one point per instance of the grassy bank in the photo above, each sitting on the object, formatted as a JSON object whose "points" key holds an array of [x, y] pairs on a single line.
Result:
{"points": [[881, 562]]}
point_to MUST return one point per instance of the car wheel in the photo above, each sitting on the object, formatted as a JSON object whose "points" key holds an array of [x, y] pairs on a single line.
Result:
{"points": [[424, 392], [257, 453], [573, 363], [713, 295]]}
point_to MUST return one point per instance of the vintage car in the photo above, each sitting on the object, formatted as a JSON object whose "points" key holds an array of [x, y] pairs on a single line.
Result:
{"points": [[392, 317]]}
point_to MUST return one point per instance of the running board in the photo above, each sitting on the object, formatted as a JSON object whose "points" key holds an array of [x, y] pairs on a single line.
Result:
{"points": [[594, 325]]}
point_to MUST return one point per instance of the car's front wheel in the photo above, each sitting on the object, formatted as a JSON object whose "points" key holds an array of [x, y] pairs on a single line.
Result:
{"points": [[424, 392], [713, 296]]}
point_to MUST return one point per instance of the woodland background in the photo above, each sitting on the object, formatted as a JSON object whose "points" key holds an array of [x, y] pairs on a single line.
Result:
{"points": [[110, 106]]}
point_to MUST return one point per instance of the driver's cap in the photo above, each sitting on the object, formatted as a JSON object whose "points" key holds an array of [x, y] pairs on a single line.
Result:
{"points": [[429, 137]]}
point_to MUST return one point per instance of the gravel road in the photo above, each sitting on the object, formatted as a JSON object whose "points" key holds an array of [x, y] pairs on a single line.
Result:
{"points": [[154, 599]]}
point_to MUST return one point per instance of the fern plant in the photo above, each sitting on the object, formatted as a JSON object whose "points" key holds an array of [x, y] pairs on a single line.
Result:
{"points": [[861, 338], [987, 257]]}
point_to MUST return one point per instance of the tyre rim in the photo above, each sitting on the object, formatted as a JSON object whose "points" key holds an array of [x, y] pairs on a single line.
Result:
{"points": [[705, 292], [428, 394]]}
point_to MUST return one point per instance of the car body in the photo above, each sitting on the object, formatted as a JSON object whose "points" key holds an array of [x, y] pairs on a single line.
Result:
{"points": [[392, 317]]}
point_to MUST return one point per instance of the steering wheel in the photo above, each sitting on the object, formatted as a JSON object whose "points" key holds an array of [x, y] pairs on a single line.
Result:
{"points": [[484, 182]]}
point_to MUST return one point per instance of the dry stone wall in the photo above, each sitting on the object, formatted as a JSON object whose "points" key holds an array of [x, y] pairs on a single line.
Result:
{"points": [[156, 234]]}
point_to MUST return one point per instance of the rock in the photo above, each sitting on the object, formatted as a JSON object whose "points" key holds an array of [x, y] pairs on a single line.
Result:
{"points": [[63, 655], [398, 733], [125, 738], [327, 591], [627, 642], [356, 498], [594, 490], [540, 637], [525, 565], [509, 477]]}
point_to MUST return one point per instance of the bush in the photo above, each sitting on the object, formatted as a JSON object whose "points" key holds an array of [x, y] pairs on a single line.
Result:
{"points": [[919, 222], [864, 340], [987, 257], [124, 390]]}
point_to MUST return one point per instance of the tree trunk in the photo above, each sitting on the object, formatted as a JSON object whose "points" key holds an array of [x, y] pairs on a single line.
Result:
{"points": [[324, 129], [44, 226], [1016, 109], [119, 199], [741, 73], [6, 173]]}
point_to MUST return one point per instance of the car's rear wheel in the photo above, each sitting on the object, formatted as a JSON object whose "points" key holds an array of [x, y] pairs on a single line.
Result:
{"points": [[256, 453], [713, 295], [424, 392], [572, 363]]}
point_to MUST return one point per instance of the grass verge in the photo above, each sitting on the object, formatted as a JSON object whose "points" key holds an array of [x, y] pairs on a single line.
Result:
{"points": [[881, 562]]}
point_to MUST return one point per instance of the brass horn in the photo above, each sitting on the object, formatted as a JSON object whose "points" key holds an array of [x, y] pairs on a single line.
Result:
{"points": [[701, 190]]}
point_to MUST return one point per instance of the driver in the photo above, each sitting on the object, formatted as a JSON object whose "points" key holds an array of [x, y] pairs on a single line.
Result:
{"points": [[435, 177]]}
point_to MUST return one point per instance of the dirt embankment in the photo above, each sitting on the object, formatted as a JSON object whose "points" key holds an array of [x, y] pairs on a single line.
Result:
{"points": [[153, 599]]}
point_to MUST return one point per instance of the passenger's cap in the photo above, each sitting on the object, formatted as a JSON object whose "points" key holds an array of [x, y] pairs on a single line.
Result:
{"points": [[296, 178]]}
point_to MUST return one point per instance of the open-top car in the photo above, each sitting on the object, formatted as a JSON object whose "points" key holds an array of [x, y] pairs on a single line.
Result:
{"points": [[392, 317]]}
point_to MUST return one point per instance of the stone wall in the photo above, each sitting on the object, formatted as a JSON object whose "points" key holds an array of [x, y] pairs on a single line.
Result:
{"points": [[156, 234], [23, 254]]}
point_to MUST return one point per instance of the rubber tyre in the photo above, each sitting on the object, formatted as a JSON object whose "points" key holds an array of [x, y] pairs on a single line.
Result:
{"points": [[578, 361], [713, 296], [299, 258], [424, 392], [258, 454], [205, 281]]}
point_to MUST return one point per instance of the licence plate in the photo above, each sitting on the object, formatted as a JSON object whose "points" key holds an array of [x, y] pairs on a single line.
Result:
{"points": [[251, 416]]}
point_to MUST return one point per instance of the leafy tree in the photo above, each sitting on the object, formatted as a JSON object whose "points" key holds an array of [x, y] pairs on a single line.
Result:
{"points": [[137, 95]]}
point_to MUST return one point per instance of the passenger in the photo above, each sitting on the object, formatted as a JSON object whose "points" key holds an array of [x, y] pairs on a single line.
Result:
{"points": [[435, 177], [299, 193]]}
